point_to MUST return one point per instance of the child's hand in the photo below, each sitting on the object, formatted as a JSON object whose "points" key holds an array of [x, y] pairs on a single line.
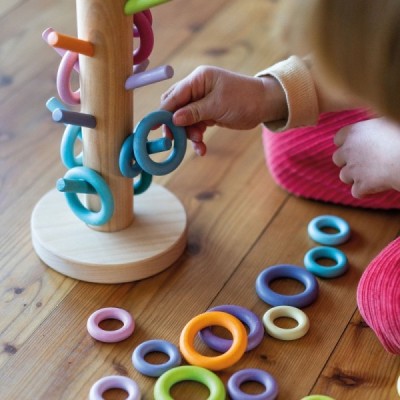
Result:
{"points": [[369, 156], [214, 96]]}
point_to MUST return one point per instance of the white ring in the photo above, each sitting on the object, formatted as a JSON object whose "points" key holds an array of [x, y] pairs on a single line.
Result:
{"points": [[398, 386], [303, 323], [115, 382]]}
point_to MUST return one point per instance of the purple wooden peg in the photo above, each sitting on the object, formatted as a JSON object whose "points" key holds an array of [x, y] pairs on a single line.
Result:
{"points": [[74, 118], [151, 76]]}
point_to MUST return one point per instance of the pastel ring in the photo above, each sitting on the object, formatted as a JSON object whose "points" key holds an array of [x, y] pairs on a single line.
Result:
{"points": [[110, 336], [252, 375], [115, 382], [303, 323], [107, 201], [140, 143], [189, 373], [247, 317], [398, 386], [213, 318], [146, 368], [300, 300], [329, 221], [332, 253], [64, 79], [71, 134], [317, 397], [145, 32]]}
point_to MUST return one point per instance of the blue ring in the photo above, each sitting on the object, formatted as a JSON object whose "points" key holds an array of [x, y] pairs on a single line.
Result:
{"points": [[311, 257], [126, 157], [299, 300], [107, 202], [329, 221], [253, 375], [162, 346], [140, 139], [71, 133]]}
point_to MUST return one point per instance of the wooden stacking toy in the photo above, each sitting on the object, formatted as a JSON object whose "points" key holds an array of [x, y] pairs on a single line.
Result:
{"points": [[97, 225]]}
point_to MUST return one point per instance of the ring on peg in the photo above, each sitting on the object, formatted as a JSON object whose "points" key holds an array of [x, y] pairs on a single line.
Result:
{"points": [[115, 382], [189, 373], [135, 6], [140, 143], [64, 77], [59, 51], [146, 35], [247, 317], [107, 201], [137, 69], [311, 262], [68, 158], [127, 164], [252, 375], [149, 16], [151, 346], [149, 77], [273, 298], [143, 183]]}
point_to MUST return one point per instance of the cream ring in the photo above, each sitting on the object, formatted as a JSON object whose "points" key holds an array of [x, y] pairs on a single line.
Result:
{"points": [[303, 323]]}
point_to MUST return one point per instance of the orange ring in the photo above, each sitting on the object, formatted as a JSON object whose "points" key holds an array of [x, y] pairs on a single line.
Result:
{"points": [[212, 318]]}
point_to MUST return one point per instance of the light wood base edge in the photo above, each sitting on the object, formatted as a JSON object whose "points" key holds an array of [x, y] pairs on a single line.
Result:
{"points": [[155, 240]]}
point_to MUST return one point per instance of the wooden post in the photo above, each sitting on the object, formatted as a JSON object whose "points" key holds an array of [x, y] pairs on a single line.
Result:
{"points": [[103, 95]]}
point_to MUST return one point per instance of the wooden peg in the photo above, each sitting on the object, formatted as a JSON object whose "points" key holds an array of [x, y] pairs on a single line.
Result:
{"points": [[71, 43], [74, 118]]}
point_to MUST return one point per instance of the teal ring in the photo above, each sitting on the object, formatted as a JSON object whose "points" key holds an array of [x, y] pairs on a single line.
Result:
{"points": [[189, 373], [329, 221], [140, 143], [143, 183], [71, 133], [311, 257], [107, 202]]}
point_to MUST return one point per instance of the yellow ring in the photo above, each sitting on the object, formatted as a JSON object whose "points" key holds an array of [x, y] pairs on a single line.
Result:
{"points": [[213, 318]]}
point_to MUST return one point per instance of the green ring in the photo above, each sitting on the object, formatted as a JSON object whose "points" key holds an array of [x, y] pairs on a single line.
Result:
{"points": [[189, 373]]}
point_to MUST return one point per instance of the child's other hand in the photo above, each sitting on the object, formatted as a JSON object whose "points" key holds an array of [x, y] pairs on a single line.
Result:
{"points": [[369, 156]]}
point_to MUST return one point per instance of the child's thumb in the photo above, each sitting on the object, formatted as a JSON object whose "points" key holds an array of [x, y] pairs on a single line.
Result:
{"points": [[192, 114]]}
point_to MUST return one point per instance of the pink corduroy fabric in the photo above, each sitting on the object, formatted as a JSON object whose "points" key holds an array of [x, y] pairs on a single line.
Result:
{"points": [[300, 161], [378, 296]]}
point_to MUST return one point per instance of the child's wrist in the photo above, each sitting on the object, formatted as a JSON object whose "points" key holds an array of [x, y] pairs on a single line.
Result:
{"points": [[274, 106]]}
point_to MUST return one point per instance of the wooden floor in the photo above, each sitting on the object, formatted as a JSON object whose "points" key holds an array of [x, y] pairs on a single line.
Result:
{"points": [[240, 222]]}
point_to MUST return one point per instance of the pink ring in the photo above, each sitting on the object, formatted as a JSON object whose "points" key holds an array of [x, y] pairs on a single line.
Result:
{"points": [[146, 35], [115, 382], [110, 336], [67, 63]]}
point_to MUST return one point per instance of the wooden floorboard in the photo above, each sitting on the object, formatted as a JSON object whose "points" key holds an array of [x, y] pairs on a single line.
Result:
{"points": [[239, 222]]}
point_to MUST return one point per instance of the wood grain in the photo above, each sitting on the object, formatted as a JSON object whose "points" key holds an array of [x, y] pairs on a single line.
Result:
{"points": [[239, 222]]}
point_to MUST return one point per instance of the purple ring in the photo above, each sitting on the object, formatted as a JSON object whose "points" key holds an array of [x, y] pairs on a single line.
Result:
{"points": [[254, 375], [145, 32], [247, 317], [299, 300]]}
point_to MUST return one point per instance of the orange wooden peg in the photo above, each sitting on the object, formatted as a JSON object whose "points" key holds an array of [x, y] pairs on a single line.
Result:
{"points": [[71, 43]]}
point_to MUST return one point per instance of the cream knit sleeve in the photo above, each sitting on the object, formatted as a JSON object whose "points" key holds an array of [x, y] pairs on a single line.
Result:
{"points": [[298, 84]]}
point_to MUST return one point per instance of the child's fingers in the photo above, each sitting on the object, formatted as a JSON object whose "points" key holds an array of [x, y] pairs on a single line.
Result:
{"points": [[338, 158]]}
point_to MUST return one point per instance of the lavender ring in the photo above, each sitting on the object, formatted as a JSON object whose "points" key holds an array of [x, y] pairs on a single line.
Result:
{"points": [[254, 375], [247, 317]]}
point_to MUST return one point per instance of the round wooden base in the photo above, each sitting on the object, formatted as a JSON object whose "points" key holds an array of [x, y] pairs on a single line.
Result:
{"points": [[155, 240]]}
